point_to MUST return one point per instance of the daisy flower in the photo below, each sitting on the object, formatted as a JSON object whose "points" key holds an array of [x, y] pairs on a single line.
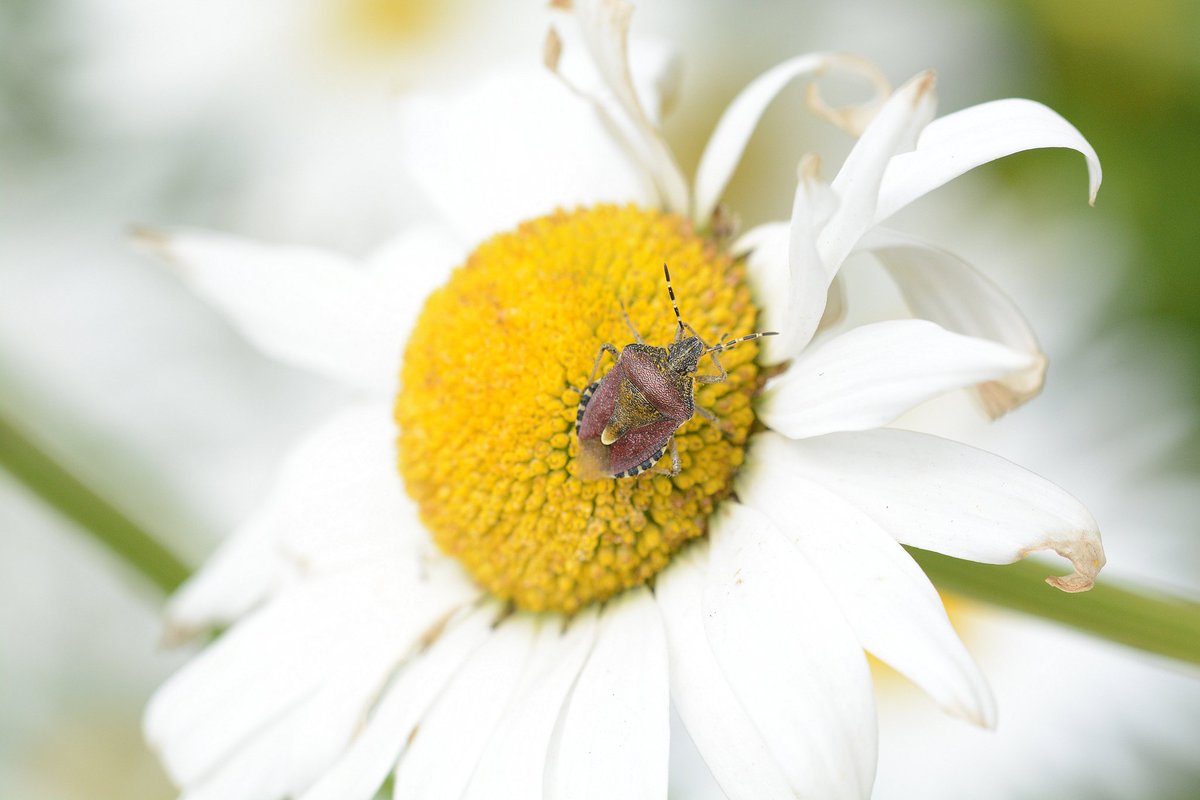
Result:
{"points": [[516, 628]]}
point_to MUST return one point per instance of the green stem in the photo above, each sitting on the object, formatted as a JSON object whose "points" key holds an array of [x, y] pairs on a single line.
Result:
{"points": [[1150, 621], [61, 490]]}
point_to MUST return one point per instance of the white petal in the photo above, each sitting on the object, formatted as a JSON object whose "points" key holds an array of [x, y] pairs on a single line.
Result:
{"points": [[728, 140], [835, 304], [789, 280], [789, 656], [452, 736], [514, 762], [733, 748], [767, 269], [516, 145], [365, 764], [961, 141], [290, 753], [612, 739], [894, 130], [945, 496], [281, 654], [404, 272], [234, 580], [809, 274], [894, 610], [941, 287], [772, 235], [338, 500], [307, 307], [657, 70], [604, 29], [872, 374]]}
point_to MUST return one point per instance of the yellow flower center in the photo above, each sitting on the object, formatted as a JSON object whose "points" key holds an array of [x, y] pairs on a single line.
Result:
{"points": [[488, 403]]}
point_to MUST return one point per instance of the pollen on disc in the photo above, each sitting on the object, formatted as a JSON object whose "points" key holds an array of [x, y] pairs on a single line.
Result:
{"points": [[487, 411]]}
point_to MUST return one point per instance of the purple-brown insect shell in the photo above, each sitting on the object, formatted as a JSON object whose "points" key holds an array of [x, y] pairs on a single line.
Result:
{"points": [[651, 399]]}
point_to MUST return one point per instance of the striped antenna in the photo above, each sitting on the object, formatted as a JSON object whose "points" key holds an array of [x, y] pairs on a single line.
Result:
{"points": [[716, 348], [671, 292]]}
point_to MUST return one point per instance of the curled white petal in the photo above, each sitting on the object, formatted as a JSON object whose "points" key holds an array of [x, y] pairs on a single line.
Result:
{"points": [[728, 140], [790, 281], [656, 68], [894, 130], [944, 496], [809, 275], [959, 142], [939, 286], [603, 27], [872, 374]]}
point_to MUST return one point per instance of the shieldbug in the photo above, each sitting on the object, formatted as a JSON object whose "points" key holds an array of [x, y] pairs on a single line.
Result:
{"points": [[627, 420]]}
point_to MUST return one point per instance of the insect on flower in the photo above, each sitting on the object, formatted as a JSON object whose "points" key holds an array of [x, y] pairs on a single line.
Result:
{"points": [[627, 419]]}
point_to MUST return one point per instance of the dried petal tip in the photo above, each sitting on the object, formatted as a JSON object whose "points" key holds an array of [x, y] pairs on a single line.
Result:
{"points": [[552, 50], [924, 84], [809, 167], [1087, 556], [176, 634], [851, 118], [150, 239]]}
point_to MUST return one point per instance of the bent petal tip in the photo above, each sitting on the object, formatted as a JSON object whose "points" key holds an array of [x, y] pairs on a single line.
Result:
{"points": [[923, 84], [552, 50], [1002, 396], [851, 118], [1086, 556], [153, 240]]}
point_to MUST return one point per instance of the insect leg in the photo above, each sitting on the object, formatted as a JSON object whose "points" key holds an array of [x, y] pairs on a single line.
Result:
{"points": [[712, 353], [637, 336], [723, 345], [675, 465], [720, 424], [606, 347]]}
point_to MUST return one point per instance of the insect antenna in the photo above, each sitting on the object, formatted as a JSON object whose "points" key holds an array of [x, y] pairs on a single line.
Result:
{"points": [[674, 305], [716, 348]]}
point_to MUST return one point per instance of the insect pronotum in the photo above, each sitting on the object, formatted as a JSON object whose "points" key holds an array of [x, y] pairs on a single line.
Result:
{"points": [[627, 420]]}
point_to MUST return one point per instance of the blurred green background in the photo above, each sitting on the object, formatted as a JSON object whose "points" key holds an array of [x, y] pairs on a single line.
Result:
{"points": [[121, 111]]}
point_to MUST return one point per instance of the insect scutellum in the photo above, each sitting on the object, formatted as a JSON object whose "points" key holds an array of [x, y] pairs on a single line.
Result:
{"points": [[684, 352]]}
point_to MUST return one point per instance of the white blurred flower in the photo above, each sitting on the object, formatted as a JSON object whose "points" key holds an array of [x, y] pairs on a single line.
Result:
{"points": [[357, 651], [285, 103]]}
